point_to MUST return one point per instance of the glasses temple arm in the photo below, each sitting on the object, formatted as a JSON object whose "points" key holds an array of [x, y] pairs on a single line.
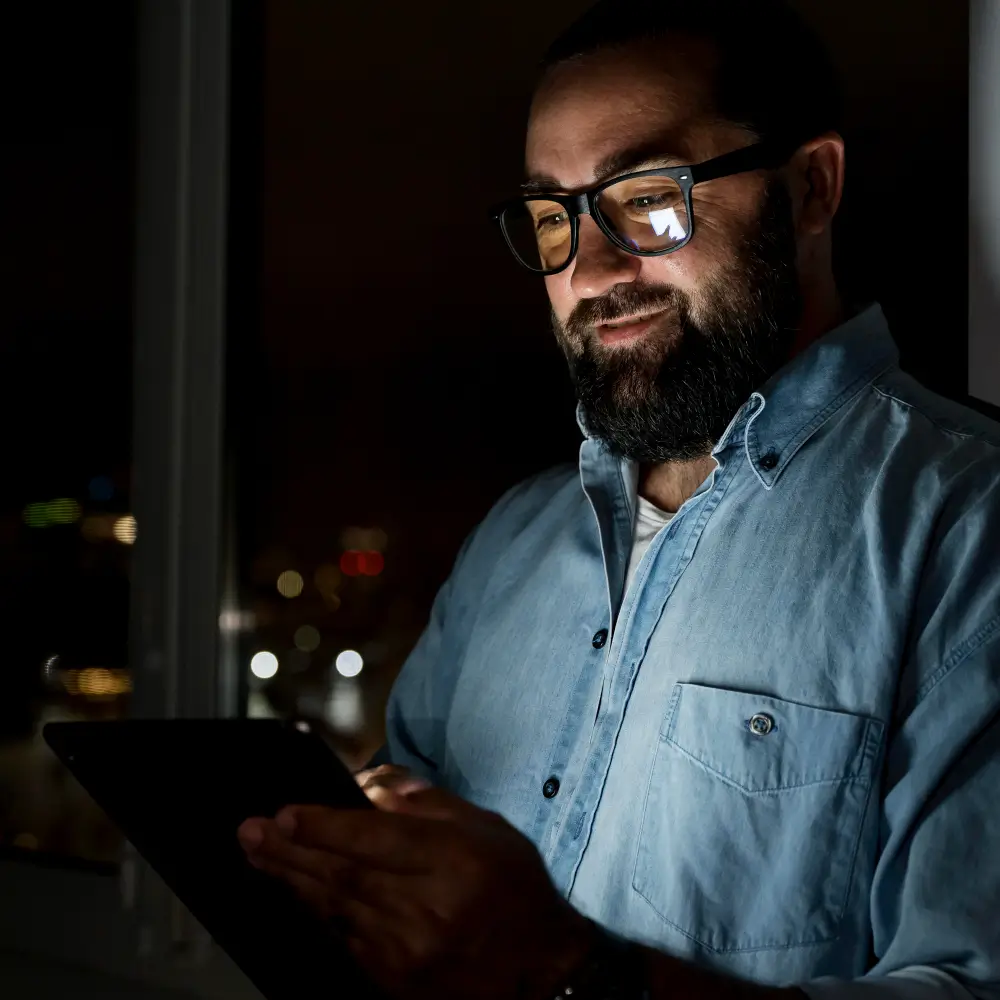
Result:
{"points": [[760, 156]]}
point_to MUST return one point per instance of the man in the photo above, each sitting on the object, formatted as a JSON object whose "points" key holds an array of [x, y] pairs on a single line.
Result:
{"points": [[716, 713]]}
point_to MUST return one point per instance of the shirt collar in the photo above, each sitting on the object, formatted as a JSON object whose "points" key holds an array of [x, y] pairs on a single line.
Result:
{"points": [[799, 398]]}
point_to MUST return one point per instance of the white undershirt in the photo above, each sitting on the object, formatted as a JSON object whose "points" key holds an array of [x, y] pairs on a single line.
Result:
{"points": [[648, 522]]}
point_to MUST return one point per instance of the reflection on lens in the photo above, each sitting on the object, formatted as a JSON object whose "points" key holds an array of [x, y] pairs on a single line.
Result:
{"points": [[666, 221], [539, 232], [646, 213]]}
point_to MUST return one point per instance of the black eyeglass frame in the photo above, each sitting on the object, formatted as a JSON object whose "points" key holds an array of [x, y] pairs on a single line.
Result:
{"points": [[766, 155]]}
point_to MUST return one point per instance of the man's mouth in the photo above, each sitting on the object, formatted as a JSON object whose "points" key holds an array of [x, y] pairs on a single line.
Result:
{"points": [[629, 328]]}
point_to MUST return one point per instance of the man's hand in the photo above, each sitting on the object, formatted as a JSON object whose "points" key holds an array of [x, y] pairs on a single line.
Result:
{"points": [[439, 898], [380, 784]]}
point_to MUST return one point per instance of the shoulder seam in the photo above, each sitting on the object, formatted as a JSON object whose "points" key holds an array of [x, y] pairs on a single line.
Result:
{"points": [[952, 431], [958, 655]]}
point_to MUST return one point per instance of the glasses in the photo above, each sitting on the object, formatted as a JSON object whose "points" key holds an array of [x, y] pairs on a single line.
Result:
{"points": [[647, 213]]}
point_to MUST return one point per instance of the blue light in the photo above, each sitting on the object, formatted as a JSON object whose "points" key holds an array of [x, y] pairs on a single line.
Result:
{"points": [[101, 488]]}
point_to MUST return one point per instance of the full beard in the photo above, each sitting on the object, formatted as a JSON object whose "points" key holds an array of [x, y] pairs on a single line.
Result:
{"points": [[671, 395]]}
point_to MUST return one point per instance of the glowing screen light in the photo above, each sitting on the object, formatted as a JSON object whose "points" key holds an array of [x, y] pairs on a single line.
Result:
{"points": [[264, 665], [666, 221], [349, 663]]}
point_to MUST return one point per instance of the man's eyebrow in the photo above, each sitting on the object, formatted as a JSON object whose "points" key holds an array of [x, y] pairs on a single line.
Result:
{"points": [[649, 154]]}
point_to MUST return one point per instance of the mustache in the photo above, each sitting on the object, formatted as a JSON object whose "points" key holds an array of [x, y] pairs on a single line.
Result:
{"points": [[619, 302]]}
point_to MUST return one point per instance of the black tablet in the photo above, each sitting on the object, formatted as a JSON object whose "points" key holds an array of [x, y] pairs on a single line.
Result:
{"points": [[178, 789]]}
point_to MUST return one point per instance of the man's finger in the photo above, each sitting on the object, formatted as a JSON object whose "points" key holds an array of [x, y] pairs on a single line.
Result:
{"points": [[265, 844], [381, 784], [389, 842], [347, 883], [431, 803]]}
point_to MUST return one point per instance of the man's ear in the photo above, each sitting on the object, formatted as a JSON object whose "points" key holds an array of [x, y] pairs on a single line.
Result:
{"points": [[816, 182]]}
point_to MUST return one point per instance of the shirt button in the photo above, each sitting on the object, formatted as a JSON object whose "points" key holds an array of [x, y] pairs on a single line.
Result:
{"points": [[768, 461], [551, 788], [760, 724], [600, 638]]}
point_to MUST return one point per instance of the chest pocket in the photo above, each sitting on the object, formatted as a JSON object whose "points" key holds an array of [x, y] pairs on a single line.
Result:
{"points": [[752, 818]]}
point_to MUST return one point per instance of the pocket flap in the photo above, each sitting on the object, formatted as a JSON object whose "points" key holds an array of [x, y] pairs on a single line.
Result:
{"points": [[765, 744]]}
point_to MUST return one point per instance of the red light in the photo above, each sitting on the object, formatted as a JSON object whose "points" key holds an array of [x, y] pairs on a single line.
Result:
{"points": [[371, 563], [357, 562], [351, 562]]}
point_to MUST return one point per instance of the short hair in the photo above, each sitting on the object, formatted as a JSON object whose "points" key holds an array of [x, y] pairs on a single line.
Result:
{"points": [[775, 76]]}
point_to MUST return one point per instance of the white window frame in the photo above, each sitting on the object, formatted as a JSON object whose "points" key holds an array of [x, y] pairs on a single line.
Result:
{"points": [[984, 201]]}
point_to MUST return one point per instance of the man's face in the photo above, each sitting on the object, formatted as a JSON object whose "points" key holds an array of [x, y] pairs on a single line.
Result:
{"points": [[714, 319]]}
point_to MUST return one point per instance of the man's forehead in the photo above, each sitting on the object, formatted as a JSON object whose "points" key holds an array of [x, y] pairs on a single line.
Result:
{"points": [[589, 115], [581, 165]]}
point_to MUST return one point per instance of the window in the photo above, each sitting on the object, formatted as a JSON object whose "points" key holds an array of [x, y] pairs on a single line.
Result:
{"points": [[401, 374], [66, 527]]}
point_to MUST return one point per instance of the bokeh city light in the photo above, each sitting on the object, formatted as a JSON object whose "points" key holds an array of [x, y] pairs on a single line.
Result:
{"points": [[349, 663], [264, 665]]}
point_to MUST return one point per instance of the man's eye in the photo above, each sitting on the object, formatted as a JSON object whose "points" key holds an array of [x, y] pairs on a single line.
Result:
{"points": [[552, 221], [651, 202]]}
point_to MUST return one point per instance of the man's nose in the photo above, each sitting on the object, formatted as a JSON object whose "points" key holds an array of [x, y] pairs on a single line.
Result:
{"points": [[599, 264]]}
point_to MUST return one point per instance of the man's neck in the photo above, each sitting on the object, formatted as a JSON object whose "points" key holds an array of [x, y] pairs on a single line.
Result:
{"points": [[667, 486]]}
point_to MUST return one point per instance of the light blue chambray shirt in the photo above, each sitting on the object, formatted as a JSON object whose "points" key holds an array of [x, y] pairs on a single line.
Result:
{"points": [[784, 762]]}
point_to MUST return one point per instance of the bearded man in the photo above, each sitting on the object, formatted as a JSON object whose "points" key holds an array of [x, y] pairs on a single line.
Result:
{"points": [[717, 712]]}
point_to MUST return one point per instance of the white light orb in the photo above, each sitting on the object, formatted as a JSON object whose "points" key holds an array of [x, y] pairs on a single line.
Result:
{"points": [[264, 665], [349, 663]]}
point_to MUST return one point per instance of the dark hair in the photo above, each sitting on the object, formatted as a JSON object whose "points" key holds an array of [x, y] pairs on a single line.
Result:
{"points": [[775, 77]]}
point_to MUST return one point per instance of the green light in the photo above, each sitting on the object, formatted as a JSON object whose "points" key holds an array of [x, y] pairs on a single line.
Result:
{"points": [[42, 514], [63, 511], [36, 515]]}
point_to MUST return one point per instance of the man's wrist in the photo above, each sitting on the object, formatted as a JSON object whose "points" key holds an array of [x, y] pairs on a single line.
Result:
{"points": [[569, 940], [612, 968]]}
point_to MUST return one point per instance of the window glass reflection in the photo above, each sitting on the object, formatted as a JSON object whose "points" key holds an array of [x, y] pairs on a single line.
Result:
{"points": [[66, 529]]}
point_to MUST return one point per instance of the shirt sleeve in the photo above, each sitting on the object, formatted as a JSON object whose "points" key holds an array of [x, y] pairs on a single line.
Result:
{"points": [[935, 894], [416, 711], [935, 901], [418, 705], [915, 983]]}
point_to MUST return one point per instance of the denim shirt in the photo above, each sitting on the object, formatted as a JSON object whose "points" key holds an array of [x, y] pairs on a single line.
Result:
{"points": [[777, 754]]}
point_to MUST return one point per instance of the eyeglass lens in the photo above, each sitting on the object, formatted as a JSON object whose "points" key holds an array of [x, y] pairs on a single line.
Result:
{"points": [[644, 214]]}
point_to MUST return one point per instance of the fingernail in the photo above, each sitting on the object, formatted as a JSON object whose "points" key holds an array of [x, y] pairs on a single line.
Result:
{"points": [[286, 822], [411, 785], [251, 836]]}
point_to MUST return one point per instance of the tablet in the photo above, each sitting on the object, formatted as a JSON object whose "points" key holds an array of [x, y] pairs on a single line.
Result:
{"points": [[178, 790]]}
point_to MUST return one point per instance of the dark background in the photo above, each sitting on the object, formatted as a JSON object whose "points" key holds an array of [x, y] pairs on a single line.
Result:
{"points": [[403, 372], [66, 224], [391, 371]]}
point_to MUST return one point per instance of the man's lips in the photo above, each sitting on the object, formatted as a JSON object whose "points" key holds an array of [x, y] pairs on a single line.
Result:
{"points": [[622, 330]]}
